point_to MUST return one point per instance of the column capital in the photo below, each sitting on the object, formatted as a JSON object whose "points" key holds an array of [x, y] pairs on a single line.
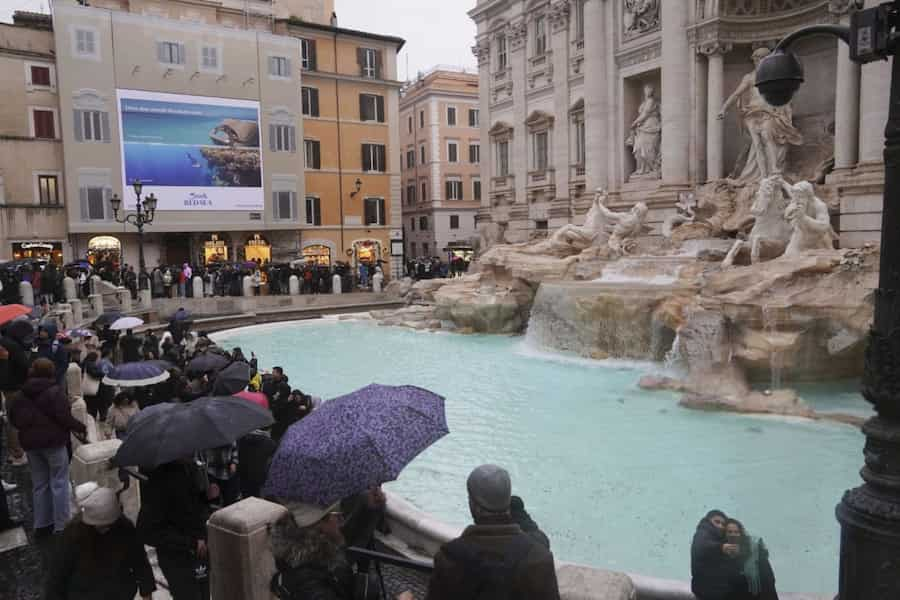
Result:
{"points": [[482, 51], [716, 47], [516, 34], [559, 15]]}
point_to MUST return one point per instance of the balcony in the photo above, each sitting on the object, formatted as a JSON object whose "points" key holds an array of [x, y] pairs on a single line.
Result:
{"points": [[576, 172], [540, 68], [541, 177], [502, 182]]}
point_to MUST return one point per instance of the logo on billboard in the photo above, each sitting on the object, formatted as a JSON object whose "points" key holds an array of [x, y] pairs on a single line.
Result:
{"points": [[197, 199]]}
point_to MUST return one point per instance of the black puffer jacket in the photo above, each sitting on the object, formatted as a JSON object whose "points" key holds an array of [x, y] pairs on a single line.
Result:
{"points": [[15, 339], [714, 575], [173, 509]]}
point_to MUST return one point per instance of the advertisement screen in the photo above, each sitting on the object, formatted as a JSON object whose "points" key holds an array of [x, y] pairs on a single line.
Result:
{"points": [[191, 152]]}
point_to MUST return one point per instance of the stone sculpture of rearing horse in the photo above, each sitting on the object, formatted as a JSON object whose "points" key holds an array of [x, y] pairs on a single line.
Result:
{"points": [[770, 227]]}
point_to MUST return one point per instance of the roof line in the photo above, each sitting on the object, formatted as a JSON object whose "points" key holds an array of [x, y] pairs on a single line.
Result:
{"points": [[400, 42]]}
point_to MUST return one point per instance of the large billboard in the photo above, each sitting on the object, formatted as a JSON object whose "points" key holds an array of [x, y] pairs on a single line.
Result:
{"points": [[192, 152]]}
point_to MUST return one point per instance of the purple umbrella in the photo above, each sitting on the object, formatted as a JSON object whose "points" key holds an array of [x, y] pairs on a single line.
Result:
{"points": [[136, 374], [354, 442]]}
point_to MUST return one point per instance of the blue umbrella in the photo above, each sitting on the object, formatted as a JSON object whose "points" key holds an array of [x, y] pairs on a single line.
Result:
{"points": [[80, 332], [354, 442], [182, 315], [136, 374]]}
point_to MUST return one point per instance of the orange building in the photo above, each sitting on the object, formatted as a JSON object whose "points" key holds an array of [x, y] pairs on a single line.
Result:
{"points": [[350, 96]]}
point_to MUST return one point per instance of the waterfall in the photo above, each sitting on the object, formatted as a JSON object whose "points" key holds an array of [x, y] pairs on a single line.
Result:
{"points": [[776, 356]]}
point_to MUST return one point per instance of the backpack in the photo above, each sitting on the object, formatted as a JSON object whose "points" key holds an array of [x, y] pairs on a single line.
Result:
{"points": [[488, 577]]}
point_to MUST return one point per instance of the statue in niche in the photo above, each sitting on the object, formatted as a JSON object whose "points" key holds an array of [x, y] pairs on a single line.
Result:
{"points": [[770, 128], [809, 218], [645, 137], [641, 16]]}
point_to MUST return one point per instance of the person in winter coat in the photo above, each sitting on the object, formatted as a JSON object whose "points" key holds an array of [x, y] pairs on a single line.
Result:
{"points": [[99, 556], [521, 517], [715, 572], [130, 345], [51, 348], [173, 520], [150, 348], [255, 450], [758, 576], [493, 558], [16, 339], [124, 407], [42, 415], [97, 368]]}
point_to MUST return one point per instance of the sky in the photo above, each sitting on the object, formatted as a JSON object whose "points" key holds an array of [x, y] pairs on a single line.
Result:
{"points": [[436, 31]]}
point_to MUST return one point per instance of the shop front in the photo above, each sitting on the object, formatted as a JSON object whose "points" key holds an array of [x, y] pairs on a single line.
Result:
{"points": [[258, 249], [367, 252], [104, 250], [317, 254], [49, 251], [215, 249], [460, 250]]}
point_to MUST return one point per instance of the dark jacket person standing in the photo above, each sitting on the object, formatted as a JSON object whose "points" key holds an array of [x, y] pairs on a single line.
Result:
{"points": [[493, 559], [714, 570]]}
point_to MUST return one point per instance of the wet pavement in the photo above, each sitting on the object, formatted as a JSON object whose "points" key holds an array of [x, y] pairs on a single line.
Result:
{"points": [[21, 568]]}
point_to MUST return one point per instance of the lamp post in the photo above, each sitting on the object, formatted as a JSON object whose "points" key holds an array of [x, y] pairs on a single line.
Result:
{"points": [[870, 514], [143, 215]]}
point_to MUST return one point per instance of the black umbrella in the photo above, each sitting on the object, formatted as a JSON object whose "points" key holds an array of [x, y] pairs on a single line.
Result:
{"points": [[232, 379], [206, 363], [162, 433], [108, 318]]}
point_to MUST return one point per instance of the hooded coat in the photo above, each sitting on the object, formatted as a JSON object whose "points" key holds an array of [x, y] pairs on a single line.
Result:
{"points": [[16, 338], [42, 415], [173, 509], [52, 349], [714, 575], [310, 565]]}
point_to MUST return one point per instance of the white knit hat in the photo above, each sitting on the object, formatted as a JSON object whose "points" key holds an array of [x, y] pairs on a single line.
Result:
{"points": [[99, 505]]}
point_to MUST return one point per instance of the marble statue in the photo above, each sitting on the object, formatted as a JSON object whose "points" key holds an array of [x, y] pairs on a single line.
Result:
{"points": [[770, 128], [640, 16], [685, 212], [625, 228], [770, 226], [809, 218], [645, 137]]}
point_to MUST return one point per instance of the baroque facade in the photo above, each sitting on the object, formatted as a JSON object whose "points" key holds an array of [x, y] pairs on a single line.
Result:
{"points": [[649, 100]]}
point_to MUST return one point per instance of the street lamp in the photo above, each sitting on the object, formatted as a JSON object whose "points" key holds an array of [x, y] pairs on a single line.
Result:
{"points": [[145, 211], [869, 515]]}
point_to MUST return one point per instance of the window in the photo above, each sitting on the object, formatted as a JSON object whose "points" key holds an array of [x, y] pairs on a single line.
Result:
{"points": [[452, 152], [170, 53], [454, 221], [421, 119], [44, 124], [579, 19], [313, 211], [540, 36], [308, 54], [540, 225], [540, 151], [502, 56], [312, 154], [423, 225], [476, 189], [474, 153], [411, 194], [579, 143], [93, 203], [422, 154], [409, 124], [374, 211], [310, 101], [502, 158], [451, 116], [371, 108], [283, 205], [412, 223], [412, 249], [424, 197], [279, 66], [40, 76], [410, 159], [209, 59], [424, 249], [373, 158], [369, 61], [48, 190], [91, 126], [473, 117], [454, 189], [282, 138], [86, 43]]}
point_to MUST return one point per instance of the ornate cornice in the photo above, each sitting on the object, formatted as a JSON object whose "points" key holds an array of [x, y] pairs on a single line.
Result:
{"points": [[760, 29], [516, 34], [559, 15], [841, 7], [482, 51], [710, 48], [640, 54]]}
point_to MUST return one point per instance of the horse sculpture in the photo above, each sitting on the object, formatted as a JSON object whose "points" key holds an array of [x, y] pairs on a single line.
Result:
{"points": [[770, 226]]}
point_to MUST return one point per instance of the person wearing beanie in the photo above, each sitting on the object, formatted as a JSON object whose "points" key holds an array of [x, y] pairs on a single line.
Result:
{"points": [[99, 556], [493, 558]]}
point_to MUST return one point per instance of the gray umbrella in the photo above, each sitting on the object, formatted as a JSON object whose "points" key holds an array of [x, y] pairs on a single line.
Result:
{"points": [[232, 379], [206, 363], [165, 432]]}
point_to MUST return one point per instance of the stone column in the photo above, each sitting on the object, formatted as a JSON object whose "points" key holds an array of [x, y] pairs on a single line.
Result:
{"points": [[596, 94], [77, 311], [560, 151], [69, 288], [519, 163], [483, 52], [675, 94], [197, 286], [715, 128], [26, 293], [96, 301], [91, 462], [874, 100], [336, 284], [246, 286], [846, 110], [294, 285]]}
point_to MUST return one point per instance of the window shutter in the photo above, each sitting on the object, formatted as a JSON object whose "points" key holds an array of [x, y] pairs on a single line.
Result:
{"points": [[272, 67], [83, 200], [382, 161], [447, 190], [161, 52], [272, 134], [295, 210], [362, 108], [379, 106], [361, 60], [79, 125], [180, 57], [312, 55], [287, 67], [381, 215], [104, 126], [314, 101], [365, 161], [275, 205], [107, 210], [292, 138], [317, 153], [378, 69]]}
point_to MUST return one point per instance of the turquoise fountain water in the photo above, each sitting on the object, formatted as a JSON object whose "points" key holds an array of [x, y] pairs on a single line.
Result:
{"points": [[617, 477]]}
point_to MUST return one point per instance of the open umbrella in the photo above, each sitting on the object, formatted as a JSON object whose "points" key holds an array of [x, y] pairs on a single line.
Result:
{"points": [[207, 363], [257, 398], [108, 318], [231, 379], [80, 332], [9, 312], [354, 442], [136, 374], [124, 323], [165, 432]]}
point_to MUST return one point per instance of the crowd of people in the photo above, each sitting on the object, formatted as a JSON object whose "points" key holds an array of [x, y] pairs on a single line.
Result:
{"points": [[432, 267]]}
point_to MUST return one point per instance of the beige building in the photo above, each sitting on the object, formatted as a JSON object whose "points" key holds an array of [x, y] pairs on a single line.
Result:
{"points": [[32, 198], [441, 155]]}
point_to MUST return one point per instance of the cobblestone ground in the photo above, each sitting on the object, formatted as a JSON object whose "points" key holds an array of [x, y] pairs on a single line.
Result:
{"points": [[22, 568]]}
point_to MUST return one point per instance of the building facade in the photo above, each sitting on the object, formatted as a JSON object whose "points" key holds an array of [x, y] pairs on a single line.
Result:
{"points": [[32, 198], [350, 105], [440, 142], [629, 96]]}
